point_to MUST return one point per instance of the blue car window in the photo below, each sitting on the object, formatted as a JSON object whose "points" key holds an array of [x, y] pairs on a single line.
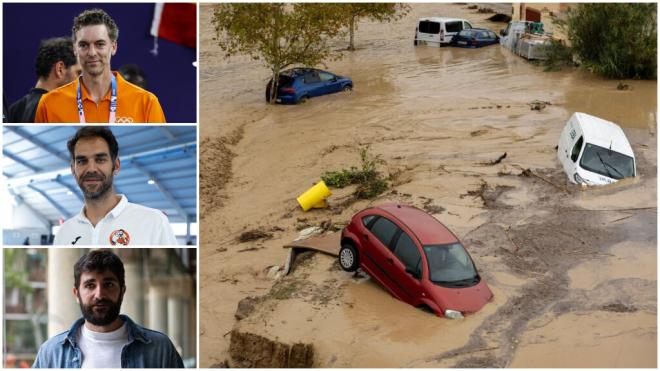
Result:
{"points": [[325, 77], [482, 35], [312, 78]]}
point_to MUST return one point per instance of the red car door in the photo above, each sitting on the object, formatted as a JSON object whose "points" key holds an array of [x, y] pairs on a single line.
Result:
{"points": [[408, 267], [381, 261]]}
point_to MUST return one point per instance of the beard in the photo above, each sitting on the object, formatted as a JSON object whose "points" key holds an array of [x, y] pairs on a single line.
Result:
{"points": [[102, 317], [99, 190], [96, 70]]}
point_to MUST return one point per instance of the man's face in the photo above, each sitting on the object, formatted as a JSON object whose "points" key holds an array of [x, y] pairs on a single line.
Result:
{"points": [[99, 296], [93, 167], [94, 49], [71, 73]]}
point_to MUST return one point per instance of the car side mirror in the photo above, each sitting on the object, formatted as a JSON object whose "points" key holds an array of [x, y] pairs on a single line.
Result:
{"points": [[334, 79], [413, 272]]}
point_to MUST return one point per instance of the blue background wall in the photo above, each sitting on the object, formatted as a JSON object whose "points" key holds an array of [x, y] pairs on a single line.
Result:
{"points": [[170, 75]]}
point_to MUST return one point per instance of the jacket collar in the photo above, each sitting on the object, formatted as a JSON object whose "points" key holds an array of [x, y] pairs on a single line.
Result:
{"points": [[135, 332]]}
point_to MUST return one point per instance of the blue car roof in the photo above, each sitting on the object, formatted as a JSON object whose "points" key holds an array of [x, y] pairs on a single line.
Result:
{"points": [[293, 72]]}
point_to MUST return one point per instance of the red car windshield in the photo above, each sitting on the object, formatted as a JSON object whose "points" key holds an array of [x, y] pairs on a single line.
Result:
{"points": [[450, 265]]}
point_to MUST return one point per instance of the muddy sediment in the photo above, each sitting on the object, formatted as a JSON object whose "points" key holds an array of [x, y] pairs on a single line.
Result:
{"points": [[573, 270], [255, 351]]}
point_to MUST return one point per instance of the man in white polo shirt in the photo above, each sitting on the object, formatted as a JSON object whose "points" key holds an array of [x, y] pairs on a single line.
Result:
{"points": [[107, 218]]}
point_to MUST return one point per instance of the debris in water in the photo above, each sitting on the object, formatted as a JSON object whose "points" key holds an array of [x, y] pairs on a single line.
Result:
{"points": [[538, 105], [254, 234], [619, 308], [499, 159], [499, 17], [622, 86], [246, 306]]}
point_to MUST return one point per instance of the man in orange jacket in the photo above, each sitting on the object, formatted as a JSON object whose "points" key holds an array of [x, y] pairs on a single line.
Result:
{"points": [[99, 95]]}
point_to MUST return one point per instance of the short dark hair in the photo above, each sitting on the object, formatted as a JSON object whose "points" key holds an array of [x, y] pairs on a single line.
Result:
{"points": [[93, 17], [132, 73], [99, 261], [91, 132], [52, 51]]}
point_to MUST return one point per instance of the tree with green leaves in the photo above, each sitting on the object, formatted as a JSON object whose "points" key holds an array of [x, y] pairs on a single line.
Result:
{"points": [[279, 35], [351, 13], [616, 40]]}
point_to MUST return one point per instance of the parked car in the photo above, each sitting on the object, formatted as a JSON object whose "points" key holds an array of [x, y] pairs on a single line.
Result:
{"points": [[594, 151], [475, 38], [438, 31], [298, 84], [414, 257]]}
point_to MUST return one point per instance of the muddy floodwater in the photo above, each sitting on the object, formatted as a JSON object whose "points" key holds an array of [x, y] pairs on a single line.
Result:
{"points": [[573, 270]]}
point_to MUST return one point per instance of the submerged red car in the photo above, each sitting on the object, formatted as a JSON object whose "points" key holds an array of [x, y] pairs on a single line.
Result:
{"points": [[415, 257]]}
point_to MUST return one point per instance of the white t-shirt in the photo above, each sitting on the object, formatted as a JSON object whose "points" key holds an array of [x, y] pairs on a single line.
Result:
{"points": [[126, 224], [102, 349]]}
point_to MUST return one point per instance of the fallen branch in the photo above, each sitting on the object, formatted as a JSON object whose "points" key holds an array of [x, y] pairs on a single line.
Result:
{"points": [[460, 353], [528, 172], [631, 209], [499, 159], [625, 217], [249, 249], [515, 245]]}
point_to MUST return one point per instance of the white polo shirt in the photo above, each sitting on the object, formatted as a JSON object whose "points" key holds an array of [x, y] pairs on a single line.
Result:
{"points": [[126, 224]]}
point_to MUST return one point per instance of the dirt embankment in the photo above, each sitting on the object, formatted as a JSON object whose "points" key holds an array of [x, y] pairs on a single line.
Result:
{"points": [[573, 270]]}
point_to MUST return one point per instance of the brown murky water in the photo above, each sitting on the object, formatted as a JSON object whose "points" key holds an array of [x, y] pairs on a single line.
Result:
{"points": [[583, 275]]}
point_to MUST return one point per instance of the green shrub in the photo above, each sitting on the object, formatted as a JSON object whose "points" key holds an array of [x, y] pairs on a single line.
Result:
{"points": [[370, 182], [616, 40], [558, 55]]}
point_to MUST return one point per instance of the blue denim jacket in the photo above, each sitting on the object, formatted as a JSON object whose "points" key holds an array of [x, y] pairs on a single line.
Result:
{"points": [[145, 349]]}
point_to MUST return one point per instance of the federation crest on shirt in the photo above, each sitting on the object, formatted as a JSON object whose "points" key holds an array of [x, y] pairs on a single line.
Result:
{"points": [[120, 237]]}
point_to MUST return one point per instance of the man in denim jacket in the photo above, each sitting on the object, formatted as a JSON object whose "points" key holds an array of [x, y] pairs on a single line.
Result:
{"points": [[103, 338]]}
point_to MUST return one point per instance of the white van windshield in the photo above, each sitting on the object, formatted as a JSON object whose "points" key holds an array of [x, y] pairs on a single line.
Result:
{"points": [[606, 162]]}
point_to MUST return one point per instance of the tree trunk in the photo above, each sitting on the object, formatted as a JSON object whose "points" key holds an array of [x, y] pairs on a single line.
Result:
{"points": [[274, 86], [351, 31]]}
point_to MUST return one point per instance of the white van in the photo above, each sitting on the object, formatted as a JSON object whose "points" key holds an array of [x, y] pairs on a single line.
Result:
{"points": [[436, 31], [594, 151]]}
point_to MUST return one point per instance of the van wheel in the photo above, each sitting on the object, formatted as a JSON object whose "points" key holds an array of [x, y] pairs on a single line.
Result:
{"points": [[415, 42], [303, 99], [348, 258]]}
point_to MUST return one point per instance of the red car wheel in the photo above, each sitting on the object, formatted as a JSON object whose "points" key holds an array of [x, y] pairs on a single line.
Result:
{"points": [[348, 258]]}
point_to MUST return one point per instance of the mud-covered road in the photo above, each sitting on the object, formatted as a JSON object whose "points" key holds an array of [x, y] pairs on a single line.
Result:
{"points": [[573, 270]]}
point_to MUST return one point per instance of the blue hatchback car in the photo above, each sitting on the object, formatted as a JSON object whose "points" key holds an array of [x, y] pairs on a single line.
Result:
{"points": [[298, 84], [475, 38]]}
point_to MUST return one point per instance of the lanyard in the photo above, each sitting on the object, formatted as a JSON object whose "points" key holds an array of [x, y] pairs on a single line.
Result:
{"points": [[113, 101]]}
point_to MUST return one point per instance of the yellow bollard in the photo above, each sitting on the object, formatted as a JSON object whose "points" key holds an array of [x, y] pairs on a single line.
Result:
{"points": [[314, 197]]}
